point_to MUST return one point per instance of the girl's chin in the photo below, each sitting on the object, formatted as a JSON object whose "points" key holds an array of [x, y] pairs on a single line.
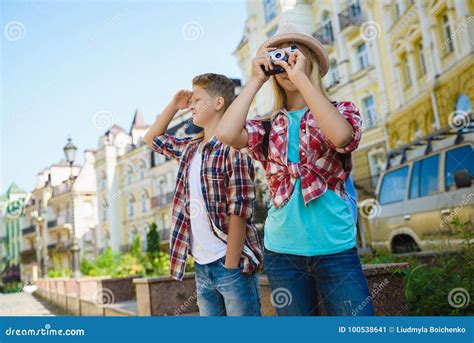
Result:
{"points": [[289, 87]]}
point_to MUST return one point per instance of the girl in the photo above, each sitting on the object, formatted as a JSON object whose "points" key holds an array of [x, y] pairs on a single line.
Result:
{"points": [[310, 254]]}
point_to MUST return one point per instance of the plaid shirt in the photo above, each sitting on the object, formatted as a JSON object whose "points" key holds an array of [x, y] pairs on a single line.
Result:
{"points": [[227, 189], [321, 164]]}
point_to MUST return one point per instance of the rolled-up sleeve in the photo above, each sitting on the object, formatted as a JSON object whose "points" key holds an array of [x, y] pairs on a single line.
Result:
{"points": [[170, 146], [241, 188], [352, 115], [256, 132]]}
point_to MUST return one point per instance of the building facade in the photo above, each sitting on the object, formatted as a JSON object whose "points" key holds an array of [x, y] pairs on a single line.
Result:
{"points": [[11, 205], [62, 204]]}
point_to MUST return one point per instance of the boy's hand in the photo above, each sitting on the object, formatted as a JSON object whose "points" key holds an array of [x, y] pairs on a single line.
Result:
{"points": [[182, 99], [262, 59]]}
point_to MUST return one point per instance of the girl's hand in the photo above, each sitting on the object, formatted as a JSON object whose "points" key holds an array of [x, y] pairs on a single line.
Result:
{"points": [[182, 99], [262, 59], [296, 66]]}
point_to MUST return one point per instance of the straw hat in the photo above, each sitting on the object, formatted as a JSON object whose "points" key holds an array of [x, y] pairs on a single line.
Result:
{"points": [[291, 33]]}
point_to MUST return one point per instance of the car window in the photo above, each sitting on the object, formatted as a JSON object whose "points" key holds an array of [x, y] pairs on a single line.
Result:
{"points": [[458, 159], [424, 179], [393, 186], [415, 181]]}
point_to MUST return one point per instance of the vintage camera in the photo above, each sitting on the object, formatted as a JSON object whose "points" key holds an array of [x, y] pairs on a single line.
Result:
{"points": [[278, 55]]}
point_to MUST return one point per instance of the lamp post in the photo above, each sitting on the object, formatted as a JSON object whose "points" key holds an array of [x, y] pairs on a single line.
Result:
{"points": [[70, 154]]}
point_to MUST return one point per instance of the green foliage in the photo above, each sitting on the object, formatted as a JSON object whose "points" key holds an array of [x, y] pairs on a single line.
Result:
{"points": [[136, 248], [430, 287], [59, 273], [153, 241], [134, 263]]}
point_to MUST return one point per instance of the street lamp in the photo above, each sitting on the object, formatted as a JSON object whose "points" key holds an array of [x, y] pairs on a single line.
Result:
{"points": [[70, 153]]}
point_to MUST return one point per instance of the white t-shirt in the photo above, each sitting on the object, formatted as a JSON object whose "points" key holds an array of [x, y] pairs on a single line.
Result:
{"points": [[205, 246]]}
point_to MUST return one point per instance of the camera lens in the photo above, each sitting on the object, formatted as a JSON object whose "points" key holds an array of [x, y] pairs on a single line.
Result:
{"points": [[278, 55]]}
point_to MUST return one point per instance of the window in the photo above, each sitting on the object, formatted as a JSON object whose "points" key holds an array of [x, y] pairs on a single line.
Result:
{"points": [[142, 169], [458, 159], [447, 33], [424, 179], [105, 206], [131, 206], [161, 187], [269, 8], [363, 56], [326, 29], [152, 159], [393, 186], [377, 163], [103, 181], [463, 104], [406, 66], [129, 175], [421, 59], [369, 112], [145, 230], [144, 200], [333, 72], [397, 10], [414, 131]]}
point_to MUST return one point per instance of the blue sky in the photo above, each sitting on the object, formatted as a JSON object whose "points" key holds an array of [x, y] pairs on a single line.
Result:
{"points": [[64, 61]]}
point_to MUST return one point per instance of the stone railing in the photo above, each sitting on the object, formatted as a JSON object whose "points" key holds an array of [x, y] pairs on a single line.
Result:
{"points": [[90, 296], [161, 296]]}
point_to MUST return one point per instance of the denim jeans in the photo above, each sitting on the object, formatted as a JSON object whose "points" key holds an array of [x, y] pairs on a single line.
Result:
{"points": [[338, 278], [225, 291]]}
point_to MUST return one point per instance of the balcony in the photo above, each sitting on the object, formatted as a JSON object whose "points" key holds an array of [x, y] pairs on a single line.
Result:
{"points": [[62, 222], [28, 230], [351, 16], [28, 256], [52, 223], [61, 189], [160, 201], [59, 246], [325, 34]]}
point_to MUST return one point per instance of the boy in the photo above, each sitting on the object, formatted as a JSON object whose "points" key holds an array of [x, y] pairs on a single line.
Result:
{"points": [[213, 203]]}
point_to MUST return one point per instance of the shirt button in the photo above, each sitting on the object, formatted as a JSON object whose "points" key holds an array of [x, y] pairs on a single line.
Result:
{"points": [[304, 130], [303, 153]]}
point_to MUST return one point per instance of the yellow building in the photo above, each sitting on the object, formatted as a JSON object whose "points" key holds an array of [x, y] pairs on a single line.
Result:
{"points": [[406, 64], [430, 64]]}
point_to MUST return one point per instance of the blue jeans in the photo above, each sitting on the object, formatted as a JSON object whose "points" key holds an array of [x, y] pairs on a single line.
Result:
{"points": [[223, 291], [338, 278]]}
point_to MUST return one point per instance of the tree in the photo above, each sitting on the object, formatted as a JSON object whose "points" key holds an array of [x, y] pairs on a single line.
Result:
{"points": [[136, 248], [153, 240]]}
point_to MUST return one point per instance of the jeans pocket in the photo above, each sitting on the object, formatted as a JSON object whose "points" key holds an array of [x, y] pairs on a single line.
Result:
{"points": [[222, 264]]}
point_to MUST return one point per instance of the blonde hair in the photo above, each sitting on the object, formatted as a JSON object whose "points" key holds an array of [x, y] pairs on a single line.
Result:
{"points": [[279, 93]]}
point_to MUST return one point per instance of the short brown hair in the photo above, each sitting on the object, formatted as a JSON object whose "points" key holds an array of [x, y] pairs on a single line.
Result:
{"points": [[217, 85]]}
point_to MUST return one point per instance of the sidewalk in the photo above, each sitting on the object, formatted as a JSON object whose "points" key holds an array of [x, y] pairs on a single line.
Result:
{"points": [[25, 304]]}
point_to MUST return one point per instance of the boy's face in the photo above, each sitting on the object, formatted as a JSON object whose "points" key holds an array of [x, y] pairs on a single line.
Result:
{"points": [[204, 107]]}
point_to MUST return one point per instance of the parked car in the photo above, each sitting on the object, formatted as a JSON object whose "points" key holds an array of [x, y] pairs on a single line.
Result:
{"points": [[425, 197]]}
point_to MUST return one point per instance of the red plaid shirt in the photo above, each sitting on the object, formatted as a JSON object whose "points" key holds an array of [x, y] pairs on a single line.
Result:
{"points": [[321, 164], [227, 189]]}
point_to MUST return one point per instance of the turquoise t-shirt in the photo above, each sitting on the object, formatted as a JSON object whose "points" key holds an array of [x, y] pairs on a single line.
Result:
{"points": [[326, 226]]}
